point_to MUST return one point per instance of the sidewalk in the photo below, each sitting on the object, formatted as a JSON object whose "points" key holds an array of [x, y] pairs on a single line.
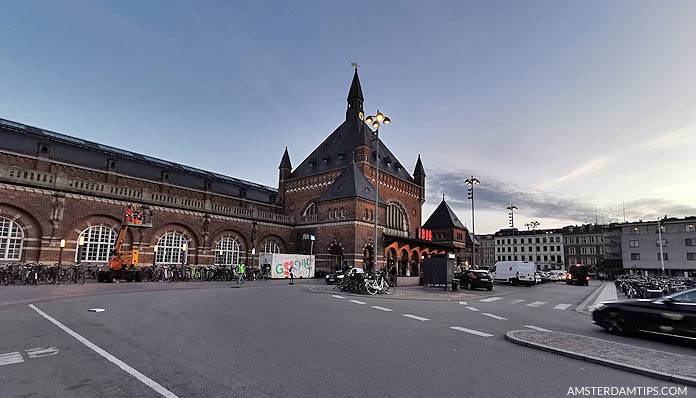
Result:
{"points": [[658, 364], [605, 292]]}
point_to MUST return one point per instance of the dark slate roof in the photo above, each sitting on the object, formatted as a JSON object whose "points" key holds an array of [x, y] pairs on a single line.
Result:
{"points": [[20, 138], [337, 150], [351, 183], [418, 171], [285, 162], [443, 217], [355, 89]]}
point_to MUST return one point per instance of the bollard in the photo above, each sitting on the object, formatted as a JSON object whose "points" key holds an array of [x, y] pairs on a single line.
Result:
{"points": [[455, 284]]}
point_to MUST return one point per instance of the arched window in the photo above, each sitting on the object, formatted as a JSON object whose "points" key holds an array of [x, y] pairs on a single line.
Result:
{"points": [[170, 248], [99, 242], [310, 210], [396, 217], [227, 251], [271, 246], [11, 239]]}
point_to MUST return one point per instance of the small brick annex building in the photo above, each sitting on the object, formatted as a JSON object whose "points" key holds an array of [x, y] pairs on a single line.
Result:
{"points": [[55, 186]]}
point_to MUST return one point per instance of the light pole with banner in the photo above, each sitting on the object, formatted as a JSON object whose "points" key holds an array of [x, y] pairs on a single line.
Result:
{"points": [[471, 182], [375, 122]]}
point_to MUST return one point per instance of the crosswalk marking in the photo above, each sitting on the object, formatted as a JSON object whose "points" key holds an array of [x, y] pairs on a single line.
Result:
{"points": [[536, 328], [471, 331], [472, 308], [40, 352], [382, 308], [416, 317], [537, 303], [494, 316], [491, 299], [463, 303], [11, 358], [357, 302], [337, 296], [562, 306], [517, 301]]}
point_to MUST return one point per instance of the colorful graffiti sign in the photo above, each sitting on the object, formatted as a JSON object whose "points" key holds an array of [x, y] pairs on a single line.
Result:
{"points": [[302, 266]]}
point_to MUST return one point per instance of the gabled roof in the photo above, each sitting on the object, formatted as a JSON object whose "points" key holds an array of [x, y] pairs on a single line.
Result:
{"points": [[443, 217], [351, 183]]}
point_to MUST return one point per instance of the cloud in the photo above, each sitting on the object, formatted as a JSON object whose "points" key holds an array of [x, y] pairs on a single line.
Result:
{"points": [[590, 166], [495, 194], [679, 137]]}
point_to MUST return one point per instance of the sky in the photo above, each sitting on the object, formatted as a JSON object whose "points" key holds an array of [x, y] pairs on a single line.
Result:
{"points": [[573, 111]]}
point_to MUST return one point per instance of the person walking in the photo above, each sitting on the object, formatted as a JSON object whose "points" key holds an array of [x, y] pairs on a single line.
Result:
{"points": [[240, 270], [291, 270]]}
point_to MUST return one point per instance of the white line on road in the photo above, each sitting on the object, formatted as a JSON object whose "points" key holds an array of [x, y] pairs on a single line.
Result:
{"points": [[472, 331], [472, 308], [537, 328], [491, 299], [146, 380], [40, 352], [382, 308], [337, 296], [11, 358], [463, 303], [562, 306], [418, 318], [537, 303], [357, 302], [516, 301], [500, 318]]}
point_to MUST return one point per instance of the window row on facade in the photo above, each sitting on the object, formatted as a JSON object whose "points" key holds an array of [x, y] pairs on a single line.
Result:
{"points": [[546, 258], [540, 239], [531, 249]]}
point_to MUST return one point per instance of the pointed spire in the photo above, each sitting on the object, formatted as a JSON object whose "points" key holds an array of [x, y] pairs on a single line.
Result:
{"points": [[419, 172], [285, 162], [355, 89]]}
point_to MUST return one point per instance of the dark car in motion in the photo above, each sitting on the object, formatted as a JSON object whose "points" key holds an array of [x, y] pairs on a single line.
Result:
{"points": [[475, 278], [578, 275], [333, 277], [669, 315]]}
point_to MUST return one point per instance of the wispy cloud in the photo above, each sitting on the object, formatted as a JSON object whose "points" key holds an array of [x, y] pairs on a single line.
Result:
{"points": [[682, 136], [591, 166], [496, 194]]}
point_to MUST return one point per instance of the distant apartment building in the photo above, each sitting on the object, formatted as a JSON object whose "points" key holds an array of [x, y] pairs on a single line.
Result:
{"points": [[645, 250], [485, 250], [543, 247], [584, 245]]}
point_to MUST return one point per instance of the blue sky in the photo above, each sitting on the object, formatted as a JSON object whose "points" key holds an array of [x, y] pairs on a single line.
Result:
{"points": [[557, 107]]}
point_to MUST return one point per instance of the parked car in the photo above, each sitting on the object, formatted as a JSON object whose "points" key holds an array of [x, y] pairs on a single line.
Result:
{"points": [[672, 315], [333, 277], [514, 272], [578, 275], [543, 277], [475, 278], [557, 275]]}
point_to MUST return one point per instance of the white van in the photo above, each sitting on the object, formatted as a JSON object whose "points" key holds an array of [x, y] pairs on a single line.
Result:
{"points": [[514, 272]]}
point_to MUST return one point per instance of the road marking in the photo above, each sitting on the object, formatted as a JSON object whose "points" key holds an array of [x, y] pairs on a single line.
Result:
{"points": [[537, 328], [491, 299], [562, 306], [357, 302], [96, 310], [516, 301], [472, 308], [463, 303], [144, 379], [11, 358], [471, 331], [537, 303], [382, 308], [500, 318], [337, 296], [418, 318], [41, 352]]}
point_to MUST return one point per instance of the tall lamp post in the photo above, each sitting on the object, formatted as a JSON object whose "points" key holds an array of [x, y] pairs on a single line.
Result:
{"points": [[511, 213], [375, 122], [60, 253], [80, 246], [471, 182], [533, 224], [659, 241]]}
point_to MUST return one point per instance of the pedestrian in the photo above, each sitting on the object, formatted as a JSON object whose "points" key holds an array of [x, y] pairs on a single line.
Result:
{"points": [[291, 270], [240, 271]]}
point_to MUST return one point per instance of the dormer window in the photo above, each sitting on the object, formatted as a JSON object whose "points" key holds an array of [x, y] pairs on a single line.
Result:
{"points": [[111, 164], [165, 176], [324, 160], [311, 163], [44, 149], [341, 156]]}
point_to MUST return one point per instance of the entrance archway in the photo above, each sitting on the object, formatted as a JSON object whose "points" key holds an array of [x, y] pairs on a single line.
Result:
{"points": [[367, 257], [335, 256]]}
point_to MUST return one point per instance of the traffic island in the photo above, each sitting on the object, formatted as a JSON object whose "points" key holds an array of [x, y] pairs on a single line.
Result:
{"points": [[646, 361]]}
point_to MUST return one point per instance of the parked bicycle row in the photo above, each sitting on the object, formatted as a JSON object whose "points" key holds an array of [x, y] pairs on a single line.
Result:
{"points": [[634, 286], [358, 281], [35, 274]]}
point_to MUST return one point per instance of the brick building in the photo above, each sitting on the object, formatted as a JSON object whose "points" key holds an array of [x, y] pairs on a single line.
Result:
{"points": [[584, 244], [449, 231], [55, 186]]}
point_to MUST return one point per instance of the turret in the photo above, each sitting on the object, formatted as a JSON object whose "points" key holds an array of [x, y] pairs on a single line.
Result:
{"points": [[355, 99], [419, 176], [285, 169]]}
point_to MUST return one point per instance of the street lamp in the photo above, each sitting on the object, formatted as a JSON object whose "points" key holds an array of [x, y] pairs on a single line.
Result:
{"points": [[511, 212], [533, 224], [184, 247], [60, 253], [375, 122], [471, 182], [154, 256], [80, 244], [253, 253]]}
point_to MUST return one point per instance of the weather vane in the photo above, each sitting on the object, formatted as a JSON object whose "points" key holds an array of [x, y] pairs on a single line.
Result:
{"points": [[355, 64]]}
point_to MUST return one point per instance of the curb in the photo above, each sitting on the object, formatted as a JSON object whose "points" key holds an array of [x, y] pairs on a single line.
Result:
{"points": [[582, 307], [509, 336]]}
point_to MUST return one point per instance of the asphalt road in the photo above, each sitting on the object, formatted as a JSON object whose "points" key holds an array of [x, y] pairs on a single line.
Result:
{"points": [[271, 339]]}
